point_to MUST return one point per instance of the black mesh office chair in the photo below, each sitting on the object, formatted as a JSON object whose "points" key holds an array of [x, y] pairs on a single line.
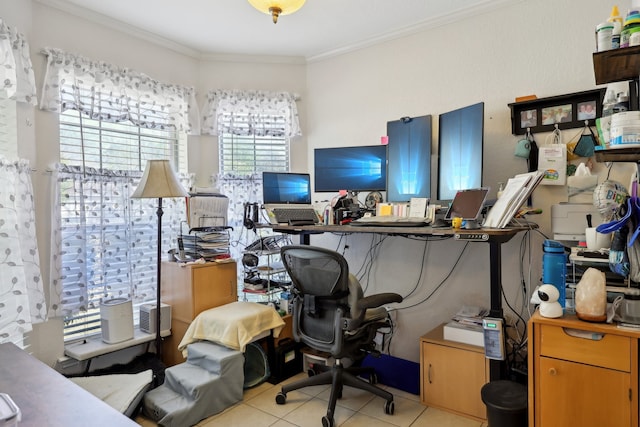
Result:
{"points": [[330, 314]]}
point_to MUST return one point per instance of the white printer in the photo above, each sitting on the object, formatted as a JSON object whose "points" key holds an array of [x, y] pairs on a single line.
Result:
{"points": [[569, 220]]}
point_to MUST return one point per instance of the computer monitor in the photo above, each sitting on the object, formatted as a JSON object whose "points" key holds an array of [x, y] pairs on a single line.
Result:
{"points": [[409, 158], [286, 188], [460, 150], [359, 168], [467, 204]]}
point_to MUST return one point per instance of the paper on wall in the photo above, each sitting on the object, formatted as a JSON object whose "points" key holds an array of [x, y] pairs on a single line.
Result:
{"points": [[552, 162]]}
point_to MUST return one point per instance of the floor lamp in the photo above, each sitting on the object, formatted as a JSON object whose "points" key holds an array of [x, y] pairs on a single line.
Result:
{"points": [[158, 181]]}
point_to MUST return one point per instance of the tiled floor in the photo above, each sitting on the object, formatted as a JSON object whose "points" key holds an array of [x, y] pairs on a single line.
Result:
{"points": [[306, 407]]}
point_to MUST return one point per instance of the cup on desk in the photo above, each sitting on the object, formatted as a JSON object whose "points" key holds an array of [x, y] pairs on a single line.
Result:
{"points": [[595, 240]]}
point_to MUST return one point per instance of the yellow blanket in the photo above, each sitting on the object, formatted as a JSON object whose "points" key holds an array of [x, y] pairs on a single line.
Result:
{"points": [[233, 325]]}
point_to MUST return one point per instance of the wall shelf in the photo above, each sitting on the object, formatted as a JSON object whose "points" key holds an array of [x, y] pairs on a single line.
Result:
{"points": [[617, 65]]}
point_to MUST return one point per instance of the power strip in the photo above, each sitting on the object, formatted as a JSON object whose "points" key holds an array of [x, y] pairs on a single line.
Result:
{"points": [[473, 237]]}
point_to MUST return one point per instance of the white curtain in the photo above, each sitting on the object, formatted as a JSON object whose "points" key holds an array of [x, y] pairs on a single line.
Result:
{"points": [[22, 301], [106, 92], [16, 70], [257, 113], [105, 247]]}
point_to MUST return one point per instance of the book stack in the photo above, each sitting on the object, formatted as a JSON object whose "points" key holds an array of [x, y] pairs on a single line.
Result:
{"points": [[210, 243]]}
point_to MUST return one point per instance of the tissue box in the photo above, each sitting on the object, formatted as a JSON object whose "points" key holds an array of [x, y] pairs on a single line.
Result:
{"points": [[580, 188]]}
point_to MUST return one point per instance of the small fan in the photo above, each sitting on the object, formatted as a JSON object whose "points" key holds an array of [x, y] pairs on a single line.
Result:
{"points": [[373, 199]]}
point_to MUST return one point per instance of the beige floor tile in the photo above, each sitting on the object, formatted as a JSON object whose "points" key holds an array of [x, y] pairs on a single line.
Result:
{"points": [[401, 393], [266, 401], [436, 417], [282, 423], [406, 410], [240, 415], [352, 398], [311, 412], [361, 420], [254, 391]]}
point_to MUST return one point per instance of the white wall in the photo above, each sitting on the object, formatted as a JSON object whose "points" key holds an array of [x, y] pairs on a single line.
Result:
{"points": [[542, 47]]}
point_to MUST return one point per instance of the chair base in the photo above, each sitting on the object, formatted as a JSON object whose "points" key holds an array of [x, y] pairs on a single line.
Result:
{"points": [[338, 376]]}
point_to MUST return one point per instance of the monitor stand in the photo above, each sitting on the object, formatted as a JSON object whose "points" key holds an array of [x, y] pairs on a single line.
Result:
{"points": [[471, 224]]}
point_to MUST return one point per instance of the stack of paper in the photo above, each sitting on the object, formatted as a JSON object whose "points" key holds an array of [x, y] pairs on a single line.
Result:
{"points": [[516, 192]]}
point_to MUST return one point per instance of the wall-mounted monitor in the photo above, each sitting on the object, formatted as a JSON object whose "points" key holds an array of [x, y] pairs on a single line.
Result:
{"points": [[460, 150], [359, 168], [286, 188], [409, 171]]}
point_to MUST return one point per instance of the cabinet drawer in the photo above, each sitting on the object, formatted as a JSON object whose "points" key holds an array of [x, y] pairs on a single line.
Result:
{"points": [[606, 350]]}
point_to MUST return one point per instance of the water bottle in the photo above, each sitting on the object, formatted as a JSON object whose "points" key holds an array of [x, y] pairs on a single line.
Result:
{"points": [[554, 267]]}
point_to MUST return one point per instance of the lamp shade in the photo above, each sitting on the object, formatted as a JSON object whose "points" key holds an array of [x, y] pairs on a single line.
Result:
{"points": [[276, 8], [158, 180]]}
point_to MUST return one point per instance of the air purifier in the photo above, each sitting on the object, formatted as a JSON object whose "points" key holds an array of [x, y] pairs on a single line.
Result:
{"points": [[148, 318], [116, 317]]}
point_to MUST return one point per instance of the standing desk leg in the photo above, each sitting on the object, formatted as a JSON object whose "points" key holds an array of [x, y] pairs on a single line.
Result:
{"points": [[497, 368], [305, 238]]}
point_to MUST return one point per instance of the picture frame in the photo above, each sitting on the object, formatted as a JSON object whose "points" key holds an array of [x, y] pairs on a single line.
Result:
{"points": [[567, 111]]}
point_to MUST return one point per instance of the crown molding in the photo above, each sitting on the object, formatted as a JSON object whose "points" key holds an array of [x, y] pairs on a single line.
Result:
{"points": [[439, 21]]}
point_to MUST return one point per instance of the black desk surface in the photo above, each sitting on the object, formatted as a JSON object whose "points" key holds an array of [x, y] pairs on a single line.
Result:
{"points": [[48, 399]]}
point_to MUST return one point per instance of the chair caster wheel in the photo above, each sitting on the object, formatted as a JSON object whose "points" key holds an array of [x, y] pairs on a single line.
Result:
{"points": [[373, 378], [327, 422], [281, 398], [389, 407], [310, 372]]}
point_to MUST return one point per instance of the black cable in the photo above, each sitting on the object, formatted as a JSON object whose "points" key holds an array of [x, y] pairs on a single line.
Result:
{"points": [[441, 282]]}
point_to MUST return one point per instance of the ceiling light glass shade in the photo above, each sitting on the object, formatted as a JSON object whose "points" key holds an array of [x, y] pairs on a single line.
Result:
{"points": [[159, 181], [276, 8]]}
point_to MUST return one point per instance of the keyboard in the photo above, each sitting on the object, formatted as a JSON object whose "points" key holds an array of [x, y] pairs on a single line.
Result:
{"points": [[391, 221], [295, 215]]}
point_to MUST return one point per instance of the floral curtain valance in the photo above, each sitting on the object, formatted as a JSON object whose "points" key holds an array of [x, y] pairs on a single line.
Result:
{"points": [[16, 70], [110, 93], [256, 113]]}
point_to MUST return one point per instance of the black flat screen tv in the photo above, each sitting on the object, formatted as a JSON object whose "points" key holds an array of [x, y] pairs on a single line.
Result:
{"points": [[359, 168], [460, 148]]}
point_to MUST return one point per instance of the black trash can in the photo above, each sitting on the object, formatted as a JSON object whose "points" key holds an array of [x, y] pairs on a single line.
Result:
{"points": [[506, 403]]}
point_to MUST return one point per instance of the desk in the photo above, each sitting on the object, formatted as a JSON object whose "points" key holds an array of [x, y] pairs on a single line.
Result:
{"points": [[46, 398], [495, 237]]}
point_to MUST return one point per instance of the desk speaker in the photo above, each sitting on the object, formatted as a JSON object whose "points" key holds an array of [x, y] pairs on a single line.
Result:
{"points": [[148, 318]]}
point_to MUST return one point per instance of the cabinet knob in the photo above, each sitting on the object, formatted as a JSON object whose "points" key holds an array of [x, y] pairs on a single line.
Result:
{"points": [[552, 371]]}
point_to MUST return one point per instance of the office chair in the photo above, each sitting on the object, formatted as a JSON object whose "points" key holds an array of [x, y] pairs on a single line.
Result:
{"points": [[330, 314]]}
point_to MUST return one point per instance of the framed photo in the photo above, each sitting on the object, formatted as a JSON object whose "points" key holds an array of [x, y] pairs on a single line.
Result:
{"points": [[565, 111]]}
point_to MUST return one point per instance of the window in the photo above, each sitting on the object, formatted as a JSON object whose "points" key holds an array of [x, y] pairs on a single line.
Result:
{"points": [[108, 241], [250, 154]]}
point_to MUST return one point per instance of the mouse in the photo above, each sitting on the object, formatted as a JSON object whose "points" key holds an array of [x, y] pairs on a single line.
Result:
{"points": [[440, 223]]}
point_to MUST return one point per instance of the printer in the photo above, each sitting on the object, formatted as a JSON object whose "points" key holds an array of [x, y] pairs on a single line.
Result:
{"points": [[569, 220]]}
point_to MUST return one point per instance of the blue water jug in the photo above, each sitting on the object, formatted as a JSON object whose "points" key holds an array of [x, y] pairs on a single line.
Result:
{"points": [[554, 267]]}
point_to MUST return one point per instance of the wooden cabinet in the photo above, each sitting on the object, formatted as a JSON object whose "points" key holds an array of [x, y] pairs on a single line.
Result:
{"points": [[452, 374], [189, 290], [582, 374]]}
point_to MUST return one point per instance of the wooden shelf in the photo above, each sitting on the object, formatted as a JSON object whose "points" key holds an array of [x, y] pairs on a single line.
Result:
{"points": [[617, 65], [618, 155]]}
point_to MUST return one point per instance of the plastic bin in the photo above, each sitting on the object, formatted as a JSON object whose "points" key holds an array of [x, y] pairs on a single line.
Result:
{"points": [[506, 403]]}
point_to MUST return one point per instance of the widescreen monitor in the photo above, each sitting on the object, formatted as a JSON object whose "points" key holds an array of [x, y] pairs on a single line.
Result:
{"points": [[286, 188], [460, 150], [359, 168]]}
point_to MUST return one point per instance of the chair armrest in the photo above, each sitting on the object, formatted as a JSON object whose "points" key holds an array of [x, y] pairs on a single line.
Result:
{"points": [[378, 300]]}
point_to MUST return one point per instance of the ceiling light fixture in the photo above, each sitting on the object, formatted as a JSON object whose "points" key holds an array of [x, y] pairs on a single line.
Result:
{"points": [[276, 8]]}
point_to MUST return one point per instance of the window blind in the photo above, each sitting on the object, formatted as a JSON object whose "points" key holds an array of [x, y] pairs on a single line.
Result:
{"points": [[108, 240]]}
